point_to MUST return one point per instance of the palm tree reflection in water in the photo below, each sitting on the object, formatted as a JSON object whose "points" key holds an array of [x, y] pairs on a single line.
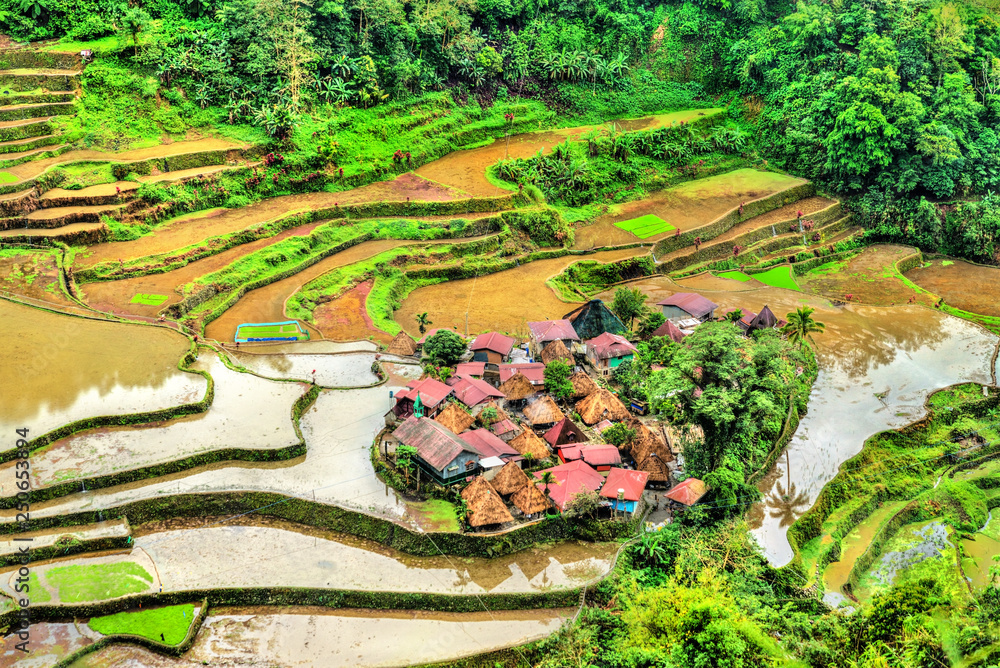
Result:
{"points": [[786, 502]]}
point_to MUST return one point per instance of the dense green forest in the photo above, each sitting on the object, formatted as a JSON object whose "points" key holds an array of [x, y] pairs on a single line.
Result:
{"points": [[892, 103]]}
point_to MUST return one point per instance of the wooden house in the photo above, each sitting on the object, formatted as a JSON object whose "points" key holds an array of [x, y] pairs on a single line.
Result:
{"points": [[455, 419], [571, 479], [687, 493], [685, 305], [431, 393], [545, 331], [564, 432], [442, 455], [492, 348], [517, 389], [531, 501], [608, 351], [530, 445], [510, 479], [668, 328], [583, 385], [473, 391], [624, 488]]}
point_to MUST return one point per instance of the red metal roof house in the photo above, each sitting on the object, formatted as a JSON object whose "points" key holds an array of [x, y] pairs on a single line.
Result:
{"points": [[440, 453], [432, 395], [491, 347], [685, 305]]}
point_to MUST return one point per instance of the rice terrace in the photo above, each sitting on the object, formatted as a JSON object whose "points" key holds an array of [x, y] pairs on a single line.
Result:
{"points": [[609, 334]]}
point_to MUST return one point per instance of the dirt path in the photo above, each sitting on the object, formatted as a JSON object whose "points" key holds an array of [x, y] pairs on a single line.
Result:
{"points": [[504, 301], [686, 206]]}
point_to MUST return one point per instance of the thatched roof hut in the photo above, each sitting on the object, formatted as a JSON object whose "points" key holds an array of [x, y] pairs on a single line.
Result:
{"points": [[402, 345], [517, 387], [530, 500], [510, 479], [650, 453], [455, 419], [484, 504], [527, 443], [489, 422], [583, 385], [556, 350], [543, 411], [601, 405]]}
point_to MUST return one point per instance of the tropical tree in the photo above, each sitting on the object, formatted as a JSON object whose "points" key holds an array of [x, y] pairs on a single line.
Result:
{"points": [[422, 321], [445, 347], [801, 326], [557, 374], [629, 304], [404, 460], [547, 479], [134, 21]]}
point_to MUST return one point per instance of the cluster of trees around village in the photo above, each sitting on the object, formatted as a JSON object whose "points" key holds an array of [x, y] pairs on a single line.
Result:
{"points": [[894, 102]]}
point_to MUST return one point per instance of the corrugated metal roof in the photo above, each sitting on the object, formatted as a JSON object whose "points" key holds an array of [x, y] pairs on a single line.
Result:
{"points": [[573, 478], [690, 302], [688, 492], [609, 345], [432, 392], [550, 330], [435, 444], [669, 329], [487, 444], [533, 371], [494, 341], [633, 482], [473, 391], [600, 455], [476, 369]]}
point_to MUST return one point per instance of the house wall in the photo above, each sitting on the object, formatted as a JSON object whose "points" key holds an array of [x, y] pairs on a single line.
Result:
{"points": [[674, 313], [488, 356], [615, 361], [455, 470]]}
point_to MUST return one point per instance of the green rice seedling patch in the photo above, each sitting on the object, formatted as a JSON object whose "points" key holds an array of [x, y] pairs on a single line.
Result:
{"points": [[946, 263], [172, 621], [834, 267], [736, 276], [7, 177], [39, 594], [778, 277], [79, 583], [645, 226], [148, 299]]}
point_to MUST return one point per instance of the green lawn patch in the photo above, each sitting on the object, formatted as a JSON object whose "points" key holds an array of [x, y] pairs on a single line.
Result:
{"points": [[736, 276], [645, 226], [172, 621], [148, 299], [7, 177], [271, 330], [79, 583], [436, 515], [778, 277]]}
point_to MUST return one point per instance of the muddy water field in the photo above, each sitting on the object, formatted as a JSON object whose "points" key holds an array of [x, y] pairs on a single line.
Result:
{"points": [[970, 287]]}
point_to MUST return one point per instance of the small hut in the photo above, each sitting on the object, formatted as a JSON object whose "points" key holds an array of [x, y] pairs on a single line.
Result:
{"points": [[653, 460], [556, 350], [489, 422], [543, 412], [510, 479], [564, 432], [455, 419], [517, 388], [764, 320], [506, 430], [527, 443], [583, 385], [484, 504], [688, 492], [530, 500], [402, 345], [601, 405]]}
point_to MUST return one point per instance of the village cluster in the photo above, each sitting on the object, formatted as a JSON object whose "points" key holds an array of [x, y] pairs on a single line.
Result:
{"points": [[494, 426]]}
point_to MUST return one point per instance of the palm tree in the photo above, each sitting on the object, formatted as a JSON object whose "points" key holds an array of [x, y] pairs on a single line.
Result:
{"points": [[548, 478], [801, 326], [423, 321]]}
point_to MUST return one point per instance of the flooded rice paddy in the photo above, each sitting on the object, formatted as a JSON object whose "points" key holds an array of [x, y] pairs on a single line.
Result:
{"points": [[57, 369], [32, 274], [342, 370], [505, 301], [309, 636], [869, 277], [970, 287], [686, 206], [282, 555], [237, 418], [50, 643], [346, 317], [980, 549], [338, 430], [48, 537]]}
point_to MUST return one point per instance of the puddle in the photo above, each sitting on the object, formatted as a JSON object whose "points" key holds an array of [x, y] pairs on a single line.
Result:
{"points": [[331, 370], [686, 206], [309, 636], [488, 298], [237, 418], [57, 369], [969, 287], [287, 555], [905, 351]]}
